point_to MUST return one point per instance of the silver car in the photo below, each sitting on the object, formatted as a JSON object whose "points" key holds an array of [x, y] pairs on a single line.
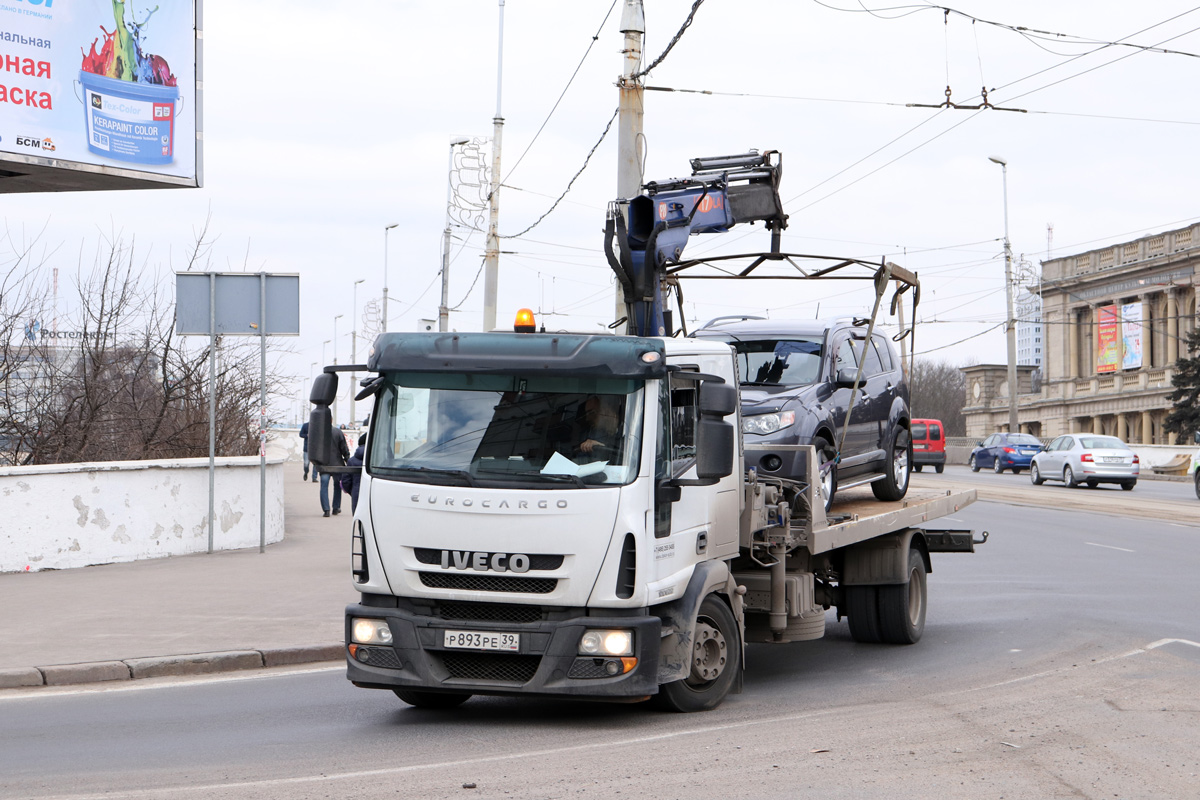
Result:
{"points": [[1086, 458]]}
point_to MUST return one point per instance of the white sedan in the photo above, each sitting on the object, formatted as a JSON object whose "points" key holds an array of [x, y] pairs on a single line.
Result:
{"points": [[1086, 458]]}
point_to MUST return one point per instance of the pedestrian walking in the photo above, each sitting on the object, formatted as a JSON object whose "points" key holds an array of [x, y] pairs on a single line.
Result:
{"points": [[343, 452], [353, 479], [304, 438]]}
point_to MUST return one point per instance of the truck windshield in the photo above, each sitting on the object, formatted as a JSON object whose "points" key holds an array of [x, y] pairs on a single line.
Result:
{"points": [[553, 432], [786, 362]]}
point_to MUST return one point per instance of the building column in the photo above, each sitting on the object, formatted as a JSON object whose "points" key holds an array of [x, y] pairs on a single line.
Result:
{"points": [[1148, 354], [1073, 425], [1096, 426], [1172, 327], [1147, 429], [1073, 344], [1122, 428]]}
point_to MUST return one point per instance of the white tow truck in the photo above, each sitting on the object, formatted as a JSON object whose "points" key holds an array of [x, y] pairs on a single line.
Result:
{"points": [[560, 514], [494, 556]]}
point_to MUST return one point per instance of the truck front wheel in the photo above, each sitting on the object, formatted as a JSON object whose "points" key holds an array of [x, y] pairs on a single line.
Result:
{"points": [[433, 700], [716, 661]]}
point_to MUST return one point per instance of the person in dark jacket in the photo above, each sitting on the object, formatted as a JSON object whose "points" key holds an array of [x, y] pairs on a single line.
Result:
{"points": [[353, 479], [343, 450], [304, 438]]}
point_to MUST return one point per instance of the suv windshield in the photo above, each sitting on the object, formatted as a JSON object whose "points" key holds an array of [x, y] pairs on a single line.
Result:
{"points": [[484, 429], [785, 362]]}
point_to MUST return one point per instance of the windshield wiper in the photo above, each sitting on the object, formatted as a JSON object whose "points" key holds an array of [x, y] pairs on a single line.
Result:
{"points": [[456, 473], [554, 476]]}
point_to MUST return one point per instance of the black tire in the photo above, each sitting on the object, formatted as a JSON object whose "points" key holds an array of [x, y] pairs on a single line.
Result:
{"points": [[917, 467], [862, 612], [716, 662], [431, 700], [902, 606], [1093, 484], [1128, 487], [825, 453], [1035, 475], [896, 470], [974, 465], [996, 468], [1069, 477], [939, 469]]}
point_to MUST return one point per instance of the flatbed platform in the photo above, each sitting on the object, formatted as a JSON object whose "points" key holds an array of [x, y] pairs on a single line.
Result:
{"points": [[857, 515]]}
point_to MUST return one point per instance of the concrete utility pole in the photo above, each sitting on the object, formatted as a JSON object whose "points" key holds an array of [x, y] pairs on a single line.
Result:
{"points": [[629, 120], [491, 257], [444, 308], [385, 302], [1013, 425]]}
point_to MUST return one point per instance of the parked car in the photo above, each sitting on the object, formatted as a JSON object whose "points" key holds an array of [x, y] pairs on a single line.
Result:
{"points": [[1002, 451], [1086, 458], [929, 444], [797, 379]]}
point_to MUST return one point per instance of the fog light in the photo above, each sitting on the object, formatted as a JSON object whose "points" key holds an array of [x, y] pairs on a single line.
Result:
{"points": [[370, 631], [609, 643], [771, 463], [612, 667]]}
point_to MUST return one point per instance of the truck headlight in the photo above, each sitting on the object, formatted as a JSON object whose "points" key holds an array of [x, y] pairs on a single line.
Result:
{"points": [[370, 631], [768, 423], [606, 643]]}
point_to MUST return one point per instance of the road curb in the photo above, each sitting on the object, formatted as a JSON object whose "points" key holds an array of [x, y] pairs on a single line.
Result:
{"points": [[166, 666]]}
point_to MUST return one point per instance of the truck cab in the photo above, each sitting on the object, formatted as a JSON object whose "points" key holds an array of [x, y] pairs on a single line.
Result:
{"points": [[527, 498]]}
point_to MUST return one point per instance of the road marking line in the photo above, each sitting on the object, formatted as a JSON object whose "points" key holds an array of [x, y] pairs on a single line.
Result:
{"points": [[466, 762], [1162, 642], [1110, 547]]}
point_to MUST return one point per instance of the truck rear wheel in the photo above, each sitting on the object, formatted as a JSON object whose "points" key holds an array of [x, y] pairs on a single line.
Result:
{"points": [[716, 661], [862, 609], [433, 700], [902, 606]]}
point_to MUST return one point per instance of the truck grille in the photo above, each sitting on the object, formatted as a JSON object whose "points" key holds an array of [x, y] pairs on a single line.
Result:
{"points": [[491, 667], [489, 612], [487, 583], [537, 561]]}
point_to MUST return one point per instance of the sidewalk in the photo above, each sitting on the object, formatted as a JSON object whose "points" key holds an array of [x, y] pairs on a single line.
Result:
{"points": [[200, 613]]}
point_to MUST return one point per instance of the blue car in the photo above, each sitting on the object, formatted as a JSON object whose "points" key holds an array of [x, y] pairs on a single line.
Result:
{"points": [[1002, 451]]}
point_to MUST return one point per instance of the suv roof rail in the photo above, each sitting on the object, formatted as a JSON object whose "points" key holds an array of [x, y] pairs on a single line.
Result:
{"points": [[726, 318]]}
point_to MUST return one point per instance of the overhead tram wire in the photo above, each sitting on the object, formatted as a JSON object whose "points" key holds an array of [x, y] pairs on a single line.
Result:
{"points": [[595, 38]]}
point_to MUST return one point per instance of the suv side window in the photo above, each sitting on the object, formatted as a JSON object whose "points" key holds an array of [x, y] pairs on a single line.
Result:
{"points": [[885, 354], [846, 357], [872, 366]]}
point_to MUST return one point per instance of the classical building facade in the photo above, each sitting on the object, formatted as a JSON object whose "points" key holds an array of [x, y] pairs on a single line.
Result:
{"points": [[1114, 322]]}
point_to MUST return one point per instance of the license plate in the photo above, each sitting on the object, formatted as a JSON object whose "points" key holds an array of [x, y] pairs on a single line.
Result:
{"points": [[919, 446], [1113, 459], [483, 640], [1028, 452]]}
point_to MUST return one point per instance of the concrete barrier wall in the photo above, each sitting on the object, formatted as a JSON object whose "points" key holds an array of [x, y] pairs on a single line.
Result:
{"points": [[75, 515]]}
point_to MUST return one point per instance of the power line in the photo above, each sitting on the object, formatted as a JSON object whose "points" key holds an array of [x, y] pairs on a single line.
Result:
{"points": [[674, 41]]}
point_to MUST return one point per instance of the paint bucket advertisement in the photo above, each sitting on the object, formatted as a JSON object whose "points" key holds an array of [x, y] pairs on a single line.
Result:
{"points": [[1108, 343], [108, 83]]}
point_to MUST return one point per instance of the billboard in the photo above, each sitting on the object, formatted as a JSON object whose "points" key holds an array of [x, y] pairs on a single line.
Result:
{"points": [[237, 303], [98, 94], [1108, 339], [1131, 336]]}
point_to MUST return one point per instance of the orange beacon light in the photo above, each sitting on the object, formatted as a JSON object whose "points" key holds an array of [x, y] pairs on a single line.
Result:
{"points": [[524, 322]]}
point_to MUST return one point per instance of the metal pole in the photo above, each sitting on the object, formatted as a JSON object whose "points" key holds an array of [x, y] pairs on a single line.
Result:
{"points": [[385, 300], [262, 412], [354, 353], [491, 258], [212, 402], [1011, 323], [335, 397], [444, 308], [629, 120]]}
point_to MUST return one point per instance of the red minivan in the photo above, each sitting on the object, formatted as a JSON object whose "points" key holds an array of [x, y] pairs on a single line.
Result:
{"points": [[929, 444]]}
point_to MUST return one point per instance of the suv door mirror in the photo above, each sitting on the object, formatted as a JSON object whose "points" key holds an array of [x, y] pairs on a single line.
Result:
{"points": [[845, 378]]}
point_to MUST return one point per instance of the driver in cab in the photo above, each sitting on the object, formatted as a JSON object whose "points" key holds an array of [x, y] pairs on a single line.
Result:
{"points": [[599, 425]]}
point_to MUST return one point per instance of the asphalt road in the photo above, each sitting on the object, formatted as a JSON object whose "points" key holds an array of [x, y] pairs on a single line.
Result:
{"points": [[1047, 670]]}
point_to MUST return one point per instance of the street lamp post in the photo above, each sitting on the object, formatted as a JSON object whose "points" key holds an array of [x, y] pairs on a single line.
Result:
{"points": [[354, 352], [444, 308], [385, 302], [1010, 322], [335, 397]]}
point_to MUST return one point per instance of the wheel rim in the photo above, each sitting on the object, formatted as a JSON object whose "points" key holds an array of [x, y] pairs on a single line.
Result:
{"points": [[1033, 472], [1068, 476], [914, 597], [900, 467], [972, 464], [710, 654], [827, 478]]}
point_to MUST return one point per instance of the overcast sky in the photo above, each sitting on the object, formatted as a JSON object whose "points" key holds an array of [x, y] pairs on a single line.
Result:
{"points": [[325, 122]]}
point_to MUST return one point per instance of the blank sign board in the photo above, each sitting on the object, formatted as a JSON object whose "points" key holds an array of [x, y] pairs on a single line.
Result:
{"points": [[238, 303]]}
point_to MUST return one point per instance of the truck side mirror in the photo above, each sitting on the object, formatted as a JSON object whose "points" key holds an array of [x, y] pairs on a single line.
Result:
{"points": [[324, 389], [714, 449], [717, 399], [321, 450]]}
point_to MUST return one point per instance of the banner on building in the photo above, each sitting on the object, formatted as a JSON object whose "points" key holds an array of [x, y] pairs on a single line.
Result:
{"points": [[1131, 336], [1108, 339], [101, 90]]}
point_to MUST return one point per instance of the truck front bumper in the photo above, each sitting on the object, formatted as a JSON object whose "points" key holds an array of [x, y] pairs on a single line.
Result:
{"points": [[547, 661]]}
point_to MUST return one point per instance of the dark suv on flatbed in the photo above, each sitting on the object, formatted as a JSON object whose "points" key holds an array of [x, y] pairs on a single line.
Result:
{"points": [[797, 380]]}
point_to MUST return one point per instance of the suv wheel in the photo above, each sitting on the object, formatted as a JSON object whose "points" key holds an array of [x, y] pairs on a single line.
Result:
{"points": [[825, 454], [895, 482]]}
